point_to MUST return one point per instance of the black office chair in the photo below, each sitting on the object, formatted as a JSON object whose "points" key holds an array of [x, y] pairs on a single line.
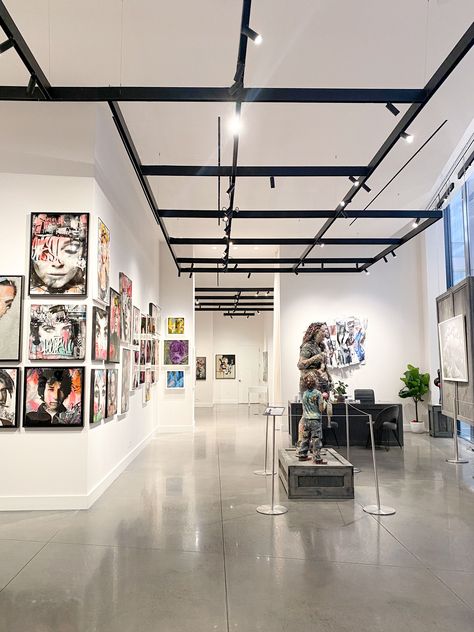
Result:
{"points": [[386, 421], [364, 395]]}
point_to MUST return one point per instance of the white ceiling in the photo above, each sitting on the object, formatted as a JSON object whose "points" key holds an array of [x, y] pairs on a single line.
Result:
{"points": [[307, 43]]}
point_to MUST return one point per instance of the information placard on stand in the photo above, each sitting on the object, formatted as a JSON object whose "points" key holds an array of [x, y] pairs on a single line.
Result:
{"points": [[273, 510]]}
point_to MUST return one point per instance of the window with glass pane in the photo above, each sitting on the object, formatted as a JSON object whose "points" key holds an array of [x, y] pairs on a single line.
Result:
{"points": [[470, 218], [456, 238]]}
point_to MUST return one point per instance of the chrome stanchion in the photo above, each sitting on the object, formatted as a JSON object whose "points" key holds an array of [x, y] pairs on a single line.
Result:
{"points": [[378, 509], [272, 510], [356, 470], [456, 458], [265, 472]]}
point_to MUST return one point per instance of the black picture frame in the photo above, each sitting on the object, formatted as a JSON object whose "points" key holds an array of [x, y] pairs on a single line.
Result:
{"points": [[19, 328], [16, 371], [108, 376], [77, 315], [115, 356], [91, 400], [44, 424], [86, 257], [201, 376], [95, 310]]}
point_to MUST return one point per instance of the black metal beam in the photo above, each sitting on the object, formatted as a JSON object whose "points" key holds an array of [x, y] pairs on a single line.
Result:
{"points": [[458, 53], [135, 160], [284, 241], [269, 270], [262, 260], [218, 298], [194, 214], [21, 47], [229, 304], [233, 289], [254, 171], [156, 94]]}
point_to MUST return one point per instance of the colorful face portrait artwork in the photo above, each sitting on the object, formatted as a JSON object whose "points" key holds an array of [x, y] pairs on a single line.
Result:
{"points": [[112, 389], [155, 352], [57, 332], [143, 352], [100, 333], [98, 396], [148, 352], [345, 341], [142, 376], [175, 325], [103, 262], [136, 370], [125, 389], [136, 327], [176, 352], [174, 380], [58, 254], [153, 311], [147, 391], [201, 368], [53, 396], [113, 352], [9, 397], [126, 307], [144, 325], [225, 367], [153, 376], [11, 311]]}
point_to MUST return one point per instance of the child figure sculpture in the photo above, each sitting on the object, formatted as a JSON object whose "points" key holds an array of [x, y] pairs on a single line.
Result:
{"points": [[311, 429]]}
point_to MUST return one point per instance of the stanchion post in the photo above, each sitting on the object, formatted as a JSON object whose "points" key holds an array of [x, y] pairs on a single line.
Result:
{"points": [[356, 470], [378, 509], [265, 472], [456, 459], [272, 510]]}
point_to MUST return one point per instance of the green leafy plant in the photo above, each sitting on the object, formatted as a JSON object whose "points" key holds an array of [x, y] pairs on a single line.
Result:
{"points": [[341, 388], [416, 385]]}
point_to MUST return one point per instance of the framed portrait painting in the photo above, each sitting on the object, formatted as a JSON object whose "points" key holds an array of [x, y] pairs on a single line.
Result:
{"points": [[175, 380], [225, 366], [175, 325], [125, 386], [53, 397], [100, 333], [57, 332], [98, 398], [113, 351], [112, 388], [136, 327], [147, 390], [136, 369], [103, 262], [176, 352], [201, 368], [9, 397], [11, 316], [153, 311], [58, 254], [126, 308]]}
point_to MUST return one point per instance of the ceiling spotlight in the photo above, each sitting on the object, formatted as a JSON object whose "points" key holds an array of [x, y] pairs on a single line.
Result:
{"points": [[229, 191], [235, 125], [321, 245], [4, 46], [342, 203], [354, 181], [394, 254], [416, 222], [391, 108], [31, 86], [268, 292], [366, 188], [366, 271], [408, 138], [385, 259], [272, 182], [296, 272], [235, 266], [249, 275], [253, 35]]}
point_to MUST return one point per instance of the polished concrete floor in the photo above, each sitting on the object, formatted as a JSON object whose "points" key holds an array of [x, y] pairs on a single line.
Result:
{"points": [[175, 544]]}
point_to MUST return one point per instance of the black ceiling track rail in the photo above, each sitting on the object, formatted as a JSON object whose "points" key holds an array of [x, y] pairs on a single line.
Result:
{"points": [[268, 260], [234, 289], [302, 270], [285, 241], [329, 171], [197, 214]]}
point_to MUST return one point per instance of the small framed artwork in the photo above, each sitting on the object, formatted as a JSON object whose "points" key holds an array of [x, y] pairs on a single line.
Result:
{"points": [[53, 397], [9, 397], [58, 254], [100, 333], [103, 262], [98, 398], [57, 332], [155, 352], [225, 366], [113, 351], [158, 320], [126, 308], [147, 391], [153, 376], [141, 379], [175, 380], [112, 386], [136, 369], [176, 352], [136, 327], [125, 387], [453, 349], [148, 352], [175, 325], [153, 311], [144, 325], [201, 368], [143, 352], [11, 317]]}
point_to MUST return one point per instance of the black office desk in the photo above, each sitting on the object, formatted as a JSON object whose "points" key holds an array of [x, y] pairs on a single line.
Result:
{"points": [[358, 429]]}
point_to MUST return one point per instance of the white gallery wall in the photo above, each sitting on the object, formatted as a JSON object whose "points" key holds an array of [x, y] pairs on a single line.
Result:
{"points": [[63, 468]]}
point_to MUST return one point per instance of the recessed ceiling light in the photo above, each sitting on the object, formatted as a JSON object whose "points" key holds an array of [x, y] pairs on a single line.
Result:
{"points": [[408, 138]]}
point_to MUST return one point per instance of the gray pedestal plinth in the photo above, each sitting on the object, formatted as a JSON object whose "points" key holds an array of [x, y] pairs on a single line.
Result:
{"points": [[305, 479]]}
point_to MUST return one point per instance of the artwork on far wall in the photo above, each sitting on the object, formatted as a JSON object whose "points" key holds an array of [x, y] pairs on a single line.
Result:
{"points": [[58, 254], [103, 262], [113, 353], [144, 324], [143, 352], [125, 389], [57, 332], [98, 397], [345, 341], [53, 396], [100, 333], [201, 368], [136, 327], [176, 352], [136, 369], [11, 314], [175, 325], [175, 380], [225, 366], [452, 346], [126, 308], [9, 397], [147, 390], [112, 387], [155, 352], [153, 311]]}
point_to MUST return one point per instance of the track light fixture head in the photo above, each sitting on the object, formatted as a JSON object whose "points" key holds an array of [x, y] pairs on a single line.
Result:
{"points": [[385, 259], [249, 275], [416, 222], [366, 271], [272, 182], [4, 46], [296, 272], [355, 181], [391, 108], [253, 35], [321, 244], [366, 188], [394, 254], [231, 188], [408, 138]]}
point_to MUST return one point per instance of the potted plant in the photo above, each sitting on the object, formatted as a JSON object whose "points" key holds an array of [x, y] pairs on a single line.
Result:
{"points": [[416, 385], [341, 390]]}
